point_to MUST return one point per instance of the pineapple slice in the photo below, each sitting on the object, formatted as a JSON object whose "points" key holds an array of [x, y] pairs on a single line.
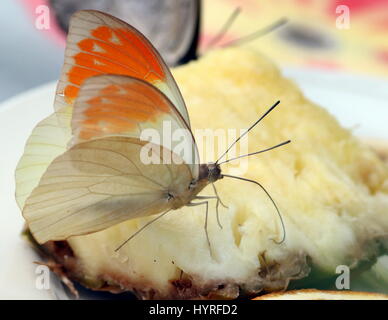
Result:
{"points": [[331, 189]]}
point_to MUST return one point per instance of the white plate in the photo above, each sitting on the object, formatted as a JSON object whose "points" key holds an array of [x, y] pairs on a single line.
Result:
{"points": [[358, 102]]}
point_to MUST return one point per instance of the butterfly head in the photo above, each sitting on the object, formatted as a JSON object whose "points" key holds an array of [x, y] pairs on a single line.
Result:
{"points": [[210, 172]]}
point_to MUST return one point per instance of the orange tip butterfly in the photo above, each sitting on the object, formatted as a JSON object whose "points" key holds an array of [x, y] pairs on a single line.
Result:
{"points": [[114, 85]]}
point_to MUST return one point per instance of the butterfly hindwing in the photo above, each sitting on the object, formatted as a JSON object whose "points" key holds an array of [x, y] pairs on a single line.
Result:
{"points": [[97, 184]]}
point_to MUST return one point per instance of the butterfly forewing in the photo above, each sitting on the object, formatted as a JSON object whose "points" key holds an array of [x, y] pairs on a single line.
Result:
{"points": [[98, 43]]}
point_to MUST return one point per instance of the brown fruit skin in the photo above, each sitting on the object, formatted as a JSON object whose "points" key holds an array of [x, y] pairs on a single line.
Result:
{"points": [[60, 258]]}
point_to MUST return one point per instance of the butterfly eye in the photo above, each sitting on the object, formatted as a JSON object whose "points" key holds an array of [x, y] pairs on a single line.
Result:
{"points": [[192, 184], [169, 196]]}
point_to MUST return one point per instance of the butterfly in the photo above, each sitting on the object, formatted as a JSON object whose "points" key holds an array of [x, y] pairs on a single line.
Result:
{"points": [[114, 85]]}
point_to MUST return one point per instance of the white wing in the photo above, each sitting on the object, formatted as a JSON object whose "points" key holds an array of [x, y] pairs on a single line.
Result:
{"points": [[47, 141], [97, 184]]}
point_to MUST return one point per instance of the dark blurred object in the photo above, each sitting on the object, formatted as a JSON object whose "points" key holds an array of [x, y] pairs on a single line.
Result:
{"points": [[308, 38], [171, 25]]}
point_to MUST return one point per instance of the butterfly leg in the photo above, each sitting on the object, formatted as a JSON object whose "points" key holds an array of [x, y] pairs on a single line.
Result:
{"points": [[206, 203], [217, 204], [219, 201], [205, 197], [141, 229]]}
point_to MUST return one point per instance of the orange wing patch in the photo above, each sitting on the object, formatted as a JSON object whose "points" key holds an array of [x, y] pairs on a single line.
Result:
{"points": [[120, 108], [99, 44], [112, 51]]}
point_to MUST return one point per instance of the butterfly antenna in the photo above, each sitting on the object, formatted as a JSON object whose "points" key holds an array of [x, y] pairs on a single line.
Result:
{"points": [[225, 27], [257, 152], [249, 129], [141, 229], [262, 32], [269, 196]]}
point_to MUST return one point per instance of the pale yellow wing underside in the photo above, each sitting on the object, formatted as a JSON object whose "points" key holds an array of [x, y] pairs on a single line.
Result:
{"points": [[97, 184], [47, 141]]}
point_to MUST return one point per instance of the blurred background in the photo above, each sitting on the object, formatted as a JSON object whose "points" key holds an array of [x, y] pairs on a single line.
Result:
{"points": [[344, 35]]}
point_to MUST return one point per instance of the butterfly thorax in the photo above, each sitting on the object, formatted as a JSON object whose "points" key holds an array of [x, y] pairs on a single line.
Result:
{"points": [[208, 173]]}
